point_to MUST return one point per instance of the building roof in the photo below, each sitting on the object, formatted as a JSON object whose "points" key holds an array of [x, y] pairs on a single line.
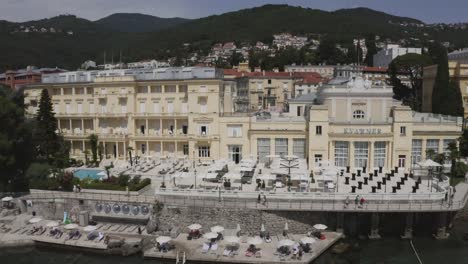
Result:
{"points": [[306, 98], [375, 69]]}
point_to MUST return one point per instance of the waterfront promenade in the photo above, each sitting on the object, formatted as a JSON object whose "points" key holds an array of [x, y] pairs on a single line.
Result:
{"points": [[296, 201]]}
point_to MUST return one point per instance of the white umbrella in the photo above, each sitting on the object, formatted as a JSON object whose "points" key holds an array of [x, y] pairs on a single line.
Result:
{"points": [[52, 224], [70, 226], [102, 173], [320, 227], [263, 228], [7, 199], [232, 239], [308, 240], [286, 227], [238, 228], [163, 239], [272, 156], [285, 242], [210, 235], [194, 227], [217, 229], [429, 163], [89, 228], [255, 241], [35, 220]]}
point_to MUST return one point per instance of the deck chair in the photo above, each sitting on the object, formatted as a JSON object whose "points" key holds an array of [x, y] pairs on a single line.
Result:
{"points": [[205, 248]]}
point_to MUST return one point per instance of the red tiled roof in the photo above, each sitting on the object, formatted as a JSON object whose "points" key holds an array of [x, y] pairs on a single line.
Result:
{"points": [[375, 69]]}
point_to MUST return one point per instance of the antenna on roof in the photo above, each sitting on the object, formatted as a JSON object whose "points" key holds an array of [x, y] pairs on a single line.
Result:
{"points": [[120, 61]]}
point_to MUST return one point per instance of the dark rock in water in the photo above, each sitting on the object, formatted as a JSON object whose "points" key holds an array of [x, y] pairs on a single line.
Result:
{"points": [[341, 248]]}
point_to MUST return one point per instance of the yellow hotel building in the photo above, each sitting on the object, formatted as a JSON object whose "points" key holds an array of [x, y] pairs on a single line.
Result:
{"points": [[195, 112]]}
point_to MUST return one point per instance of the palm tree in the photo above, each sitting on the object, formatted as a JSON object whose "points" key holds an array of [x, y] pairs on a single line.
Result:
{"points": [[453, 155], [130, 155]]}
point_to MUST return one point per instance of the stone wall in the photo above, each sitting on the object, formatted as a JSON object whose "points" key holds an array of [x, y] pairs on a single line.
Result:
{"points": [[250, 220]]}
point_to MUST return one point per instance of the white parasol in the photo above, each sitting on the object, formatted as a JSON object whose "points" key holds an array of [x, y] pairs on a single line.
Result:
{"points": [[285, 242], [308, 240], [163, 239], [263, 228], [89, 228], [35, 220], [7, 199], [52, 224], [70, 226], [320, 227], [429, 163], [194, 227], [217, 229], [210, 235], [255, 241]]}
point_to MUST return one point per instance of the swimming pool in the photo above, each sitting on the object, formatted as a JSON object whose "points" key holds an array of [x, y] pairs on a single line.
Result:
{"points": [[89, 173]]}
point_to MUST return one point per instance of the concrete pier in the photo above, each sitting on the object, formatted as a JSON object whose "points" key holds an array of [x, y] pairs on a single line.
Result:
{"points": [[193, 251], [442, 227], [340, 223], [374, 232], [408, 233]]}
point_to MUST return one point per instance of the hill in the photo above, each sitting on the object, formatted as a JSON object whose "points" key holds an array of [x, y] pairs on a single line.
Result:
{"points": [[137, 23], [141, 36]]}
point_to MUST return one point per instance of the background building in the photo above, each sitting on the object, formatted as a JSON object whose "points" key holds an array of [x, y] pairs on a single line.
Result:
{"points": [[458, 72], [384, 57], [16, 79]]}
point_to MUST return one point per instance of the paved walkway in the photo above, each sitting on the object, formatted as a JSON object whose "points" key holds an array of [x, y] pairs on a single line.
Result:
{"points": [[280, 201]]}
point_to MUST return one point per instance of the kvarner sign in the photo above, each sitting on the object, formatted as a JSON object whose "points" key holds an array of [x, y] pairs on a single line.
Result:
{"points": [[363, 131]]}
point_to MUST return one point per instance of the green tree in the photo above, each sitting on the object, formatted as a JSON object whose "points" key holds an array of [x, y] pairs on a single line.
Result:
{"points": [[371, 50], [49, 145], [463, 144], [130, 149], [453, 155], [93, 141], [444, 91], [235, 59], [16, 148], [410, 65]]}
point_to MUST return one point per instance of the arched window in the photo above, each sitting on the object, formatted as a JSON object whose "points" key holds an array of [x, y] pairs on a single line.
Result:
{"points": [[358, 114]]}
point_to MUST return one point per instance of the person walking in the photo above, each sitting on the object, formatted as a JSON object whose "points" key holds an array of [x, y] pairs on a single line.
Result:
{"points": [[356, 201], [139, 230], [264, 199], [362, 202], [346, 203], [259, 198]]}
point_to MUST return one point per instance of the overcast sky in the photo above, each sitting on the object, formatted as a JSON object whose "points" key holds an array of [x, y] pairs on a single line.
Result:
{"points": [[22, 10]]}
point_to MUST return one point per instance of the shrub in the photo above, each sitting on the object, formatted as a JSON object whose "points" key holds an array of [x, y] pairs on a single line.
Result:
{"points": [[38, 171], [123, 180], [460, 169]]}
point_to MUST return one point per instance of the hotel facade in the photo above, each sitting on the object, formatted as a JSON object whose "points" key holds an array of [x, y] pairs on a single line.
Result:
{"points": [[195, 112]]}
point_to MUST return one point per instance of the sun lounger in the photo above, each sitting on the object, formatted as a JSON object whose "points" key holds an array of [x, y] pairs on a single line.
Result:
{"points": [[40, 232], [249, 254], [115, 228], [15, 231], [131, 229], [205, 248], [214, 249], [123, 228], [227, 252], [106, 227], [258, 254], [99, 226]]}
